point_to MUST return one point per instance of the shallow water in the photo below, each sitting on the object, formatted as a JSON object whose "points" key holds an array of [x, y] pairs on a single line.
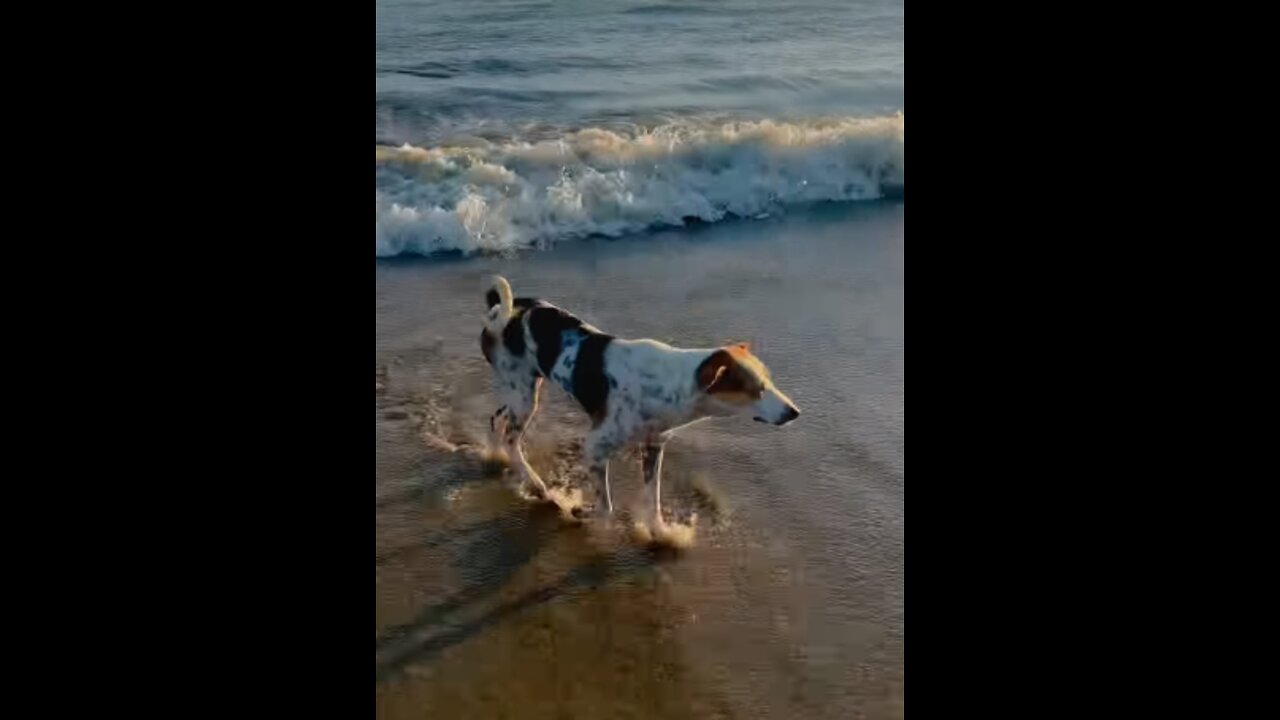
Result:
{"points": [[791, 602]]}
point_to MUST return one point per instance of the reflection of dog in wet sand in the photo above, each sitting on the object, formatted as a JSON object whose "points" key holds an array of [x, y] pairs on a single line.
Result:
{"points": [[635, 391]]}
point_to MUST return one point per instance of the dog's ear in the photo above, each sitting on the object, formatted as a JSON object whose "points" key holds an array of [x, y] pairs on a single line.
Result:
{"points": [[713, 369]]}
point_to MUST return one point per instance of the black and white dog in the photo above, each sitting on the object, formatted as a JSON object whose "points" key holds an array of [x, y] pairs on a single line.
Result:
{"points": [[635, 391]]}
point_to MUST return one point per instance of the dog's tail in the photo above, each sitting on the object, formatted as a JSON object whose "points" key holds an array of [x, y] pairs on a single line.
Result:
{"points": [[498, 300]]}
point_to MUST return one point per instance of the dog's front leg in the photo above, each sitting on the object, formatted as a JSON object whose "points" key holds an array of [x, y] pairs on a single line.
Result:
{"points": [[653, 478], [600, 445]]}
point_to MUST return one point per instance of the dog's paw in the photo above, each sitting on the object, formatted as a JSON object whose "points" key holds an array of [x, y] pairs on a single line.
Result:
{"points": [[532, 493], [582, 510], [658, 534], [493, 462], [569, 500]]}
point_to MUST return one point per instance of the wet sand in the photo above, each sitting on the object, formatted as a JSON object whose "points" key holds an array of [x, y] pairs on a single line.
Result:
{"points": [[791, 602]]}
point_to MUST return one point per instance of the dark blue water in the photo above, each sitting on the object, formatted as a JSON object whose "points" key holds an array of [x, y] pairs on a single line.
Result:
{"points": [[495, 68]]}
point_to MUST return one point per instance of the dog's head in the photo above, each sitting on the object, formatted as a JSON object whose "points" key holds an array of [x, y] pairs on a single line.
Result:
{"points": [[734, 381]]}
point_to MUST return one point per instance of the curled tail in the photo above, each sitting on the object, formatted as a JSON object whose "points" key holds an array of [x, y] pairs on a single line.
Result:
{"points": [[498, 300]]}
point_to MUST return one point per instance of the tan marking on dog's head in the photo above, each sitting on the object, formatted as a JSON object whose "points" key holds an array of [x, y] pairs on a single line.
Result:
{"points": [[733, 375], [734, 380], [742, 353]]}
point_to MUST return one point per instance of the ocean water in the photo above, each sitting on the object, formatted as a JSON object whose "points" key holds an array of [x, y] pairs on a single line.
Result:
{"points": [[509, 124], [699, 172]]}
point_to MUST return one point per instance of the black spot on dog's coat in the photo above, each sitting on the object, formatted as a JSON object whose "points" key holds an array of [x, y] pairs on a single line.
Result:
{"points": [[513, 336], [590, 383], [513, 333], [491, 298], [547, 324]]}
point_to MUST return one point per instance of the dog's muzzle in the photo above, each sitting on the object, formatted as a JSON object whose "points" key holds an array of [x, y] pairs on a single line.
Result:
{"points": [[789, 415]]}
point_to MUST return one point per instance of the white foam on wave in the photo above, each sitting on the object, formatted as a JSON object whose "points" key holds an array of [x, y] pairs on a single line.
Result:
{"points": [[503, 196]]}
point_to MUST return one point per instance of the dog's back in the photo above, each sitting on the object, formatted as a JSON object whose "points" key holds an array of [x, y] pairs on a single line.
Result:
{"points": [[531, 338]]}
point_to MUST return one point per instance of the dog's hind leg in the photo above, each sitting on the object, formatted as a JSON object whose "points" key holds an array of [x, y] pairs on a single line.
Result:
{"points": [[498, 426], [522, 404]]}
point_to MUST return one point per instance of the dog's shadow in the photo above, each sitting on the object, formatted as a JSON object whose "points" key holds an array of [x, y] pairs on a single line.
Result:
{"points": [[492, 553], [422, 645], [485, 555], [488, 555]]}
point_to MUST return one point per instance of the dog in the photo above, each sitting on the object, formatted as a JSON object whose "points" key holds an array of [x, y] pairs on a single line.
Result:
{"points": [[634, 391]]}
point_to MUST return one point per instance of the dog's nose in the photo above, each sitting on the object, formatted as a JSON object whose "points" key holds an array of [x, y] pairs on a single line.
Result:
{"points": [[791, 414]]}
